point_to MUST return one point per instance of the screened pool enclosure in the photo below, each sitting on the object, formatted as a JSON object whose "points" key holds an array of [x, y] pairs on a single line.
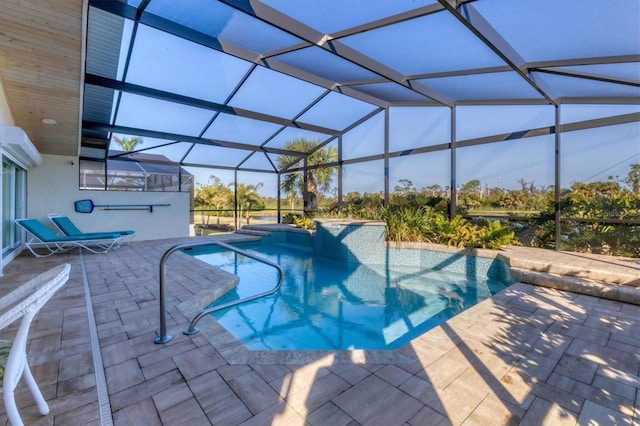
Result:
{"points": [[523, 110]]}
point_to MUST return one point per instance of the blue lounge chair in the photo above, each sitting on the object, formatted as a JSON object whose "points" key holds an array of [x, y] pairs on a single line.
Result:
{"points": [[44, 238], [69, 229]]}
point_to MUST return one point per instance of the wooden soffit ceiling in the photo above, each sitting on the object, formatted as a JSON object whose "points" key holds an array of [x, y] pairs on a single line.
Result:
{"points": [[41, 68]]}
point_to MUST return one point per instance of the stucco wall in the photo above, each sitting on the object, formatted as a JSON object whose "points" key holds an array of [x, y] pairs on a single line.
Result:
{"points": [[53, 188]]}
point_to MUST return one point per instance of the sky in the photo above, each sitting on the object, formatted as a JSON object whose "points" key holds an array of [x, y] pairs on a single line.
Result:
{"points": [[588, 155], [163, 61]]}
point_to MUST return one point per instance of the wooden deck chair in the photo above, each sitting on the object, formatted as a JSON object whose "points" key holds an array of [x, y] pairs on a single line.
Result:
{"points": [[44, 238], [25, 302], [69, 229]]}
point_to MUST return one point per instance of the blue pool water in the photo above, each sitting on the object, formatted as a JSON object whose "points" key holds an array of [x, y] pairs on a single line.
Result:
{"points": [[329, 305]]}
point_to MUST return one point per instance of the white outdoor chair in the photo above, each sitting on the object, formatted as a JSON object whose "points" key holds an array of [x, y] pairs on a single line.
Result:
{"points": [[25, 302]]}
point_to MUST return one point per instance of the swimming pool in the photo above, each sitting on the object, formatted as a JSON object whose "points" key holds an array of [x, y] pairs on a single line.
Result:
{"points": [[326, 304]]}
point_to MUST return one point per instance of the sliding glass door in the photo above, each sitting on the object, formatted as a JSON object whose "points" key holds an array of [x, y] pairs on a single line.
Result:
{"points": [[13, 204]]}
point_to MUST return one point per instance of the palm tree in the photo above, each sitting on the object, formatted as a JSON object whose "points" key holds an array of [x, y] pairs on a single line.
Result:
{"points": [[212, 196], [128, 144], [248, 196], [633, 178], [317, 179]]}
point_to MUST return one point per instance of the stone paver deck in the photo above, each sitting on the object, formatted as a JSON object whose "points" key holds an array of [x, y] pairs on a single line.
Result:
{"points": [[530, 355]]}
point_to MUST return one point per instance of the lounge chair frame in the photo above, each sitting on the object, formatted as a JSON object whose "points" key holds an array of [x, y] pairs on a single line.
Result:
{"points": [[67, 228], [42, 237]]}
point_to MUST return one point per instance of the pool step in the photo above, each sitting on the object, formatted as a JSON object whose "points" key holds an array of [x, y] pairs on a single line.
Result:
{"points": [[254, 232], [628, 292], [608, 269]]}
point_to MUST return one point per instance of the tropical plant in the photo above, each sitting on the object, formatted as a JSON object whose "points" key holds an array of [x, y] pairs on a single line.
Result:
{"points": [[248, 198], [405, 223], [289, 218], [128, 144], [456, 232], [494, 234], [317, 179], [420, 223], [212, 196], [304, 222], [356, 206], [633, 178], [299, 221], [593, 205]]}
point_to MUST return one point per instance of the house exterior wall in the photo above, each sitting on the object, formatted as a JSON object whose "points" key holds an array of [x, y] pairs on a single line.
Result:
{"points": [[53, 188]]}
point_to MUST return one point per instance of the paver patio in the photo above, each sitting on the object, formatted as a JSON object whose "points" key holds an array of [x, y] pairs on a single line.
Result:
{"points": [[530, 355]]}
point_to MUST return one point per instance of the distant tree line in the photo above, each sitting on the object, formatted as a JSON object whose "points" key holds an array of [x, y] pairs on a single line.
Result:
{"points": [[600, 217]]}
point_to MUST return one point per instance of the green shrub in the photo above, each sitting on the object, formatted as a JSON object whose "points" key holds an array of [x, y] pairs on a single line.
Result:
{"points": [[411, 223], [494, 235], [405, 223], [289, 218], [299, 221], [304, 222]]}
